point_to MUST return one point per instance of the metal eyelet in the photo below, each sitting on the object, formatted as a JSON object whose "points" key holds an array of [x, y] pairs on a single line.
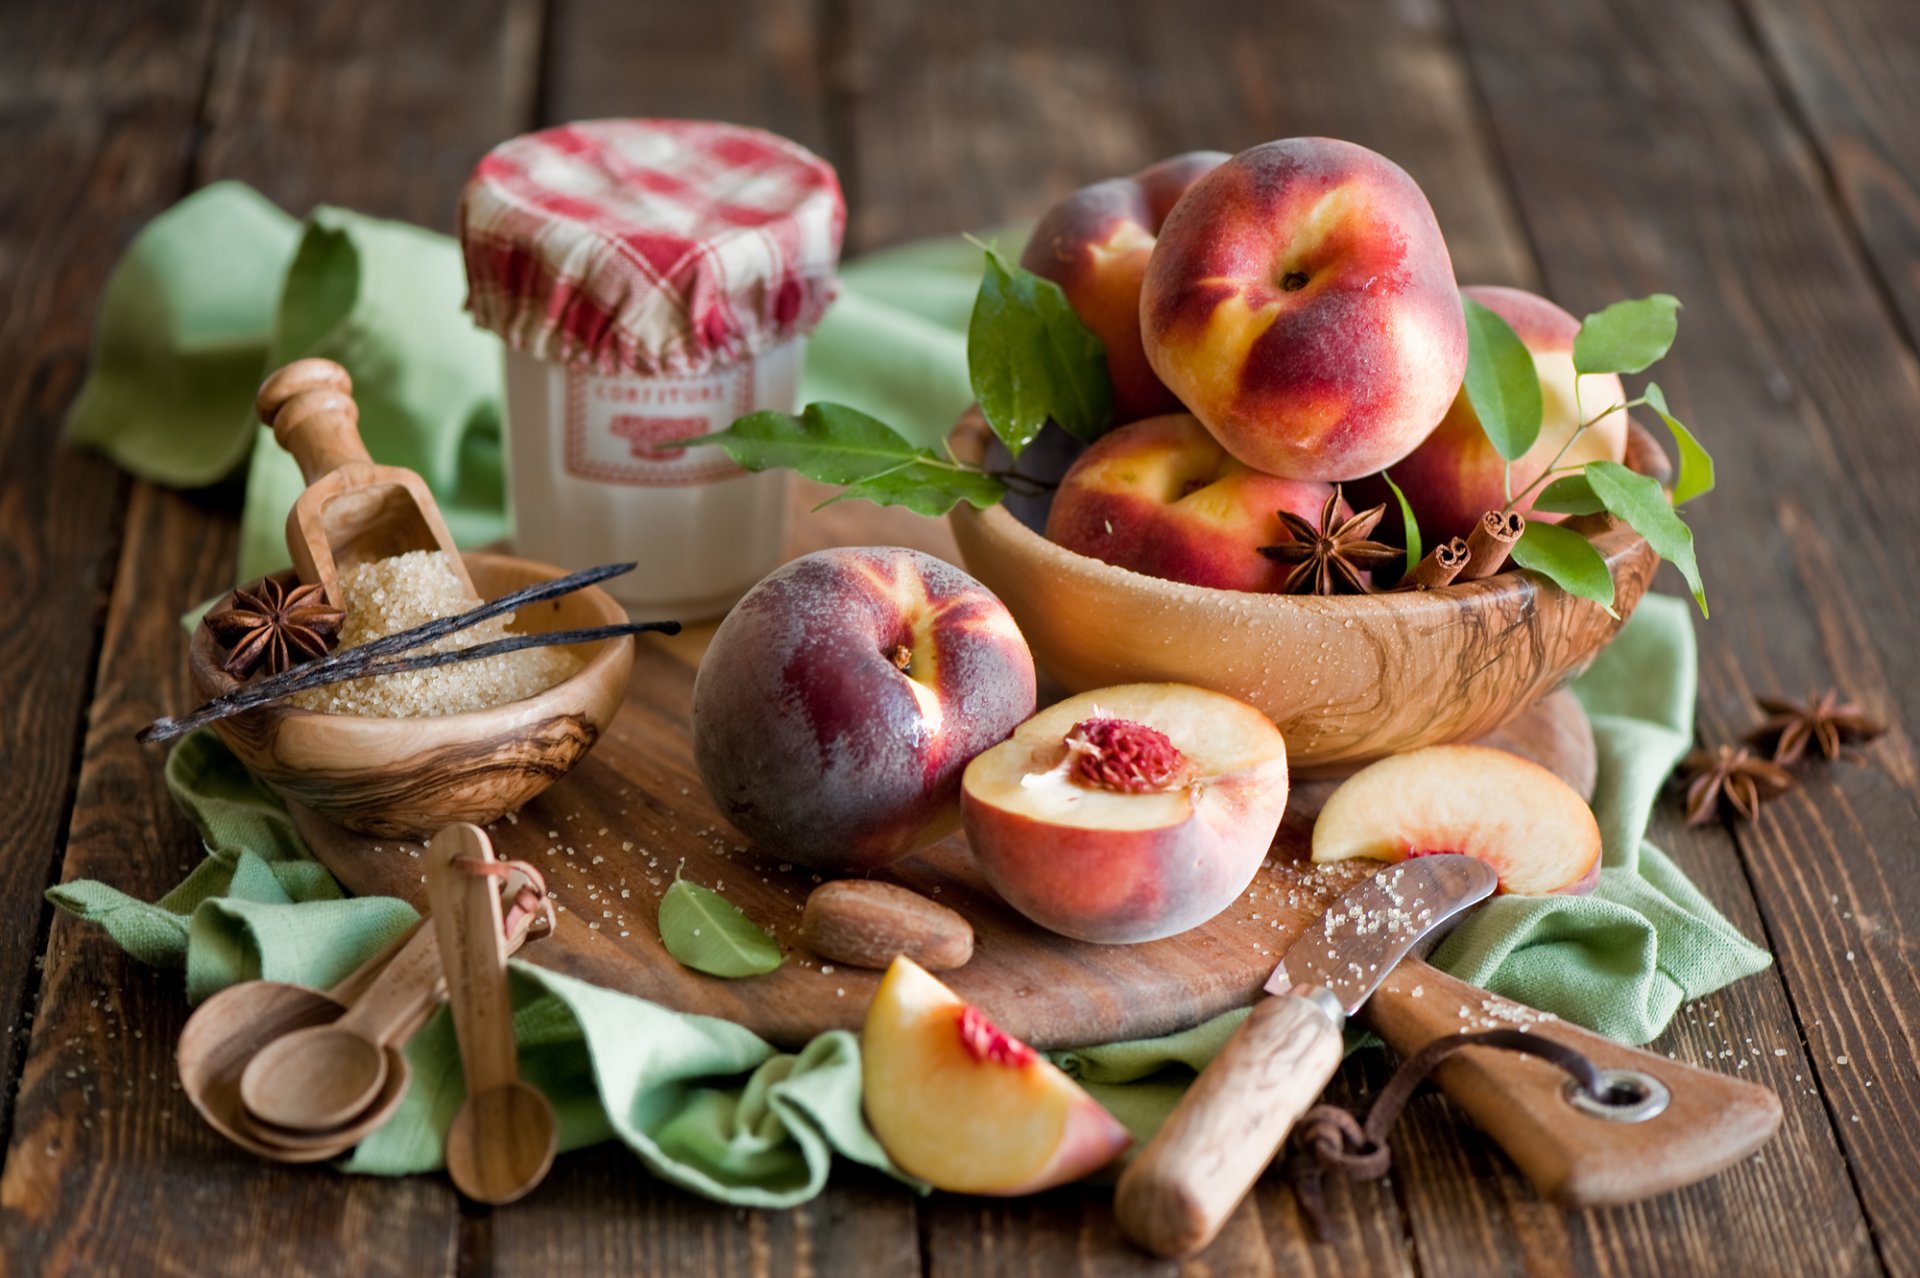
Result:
{"points": [[1626, 1096]]}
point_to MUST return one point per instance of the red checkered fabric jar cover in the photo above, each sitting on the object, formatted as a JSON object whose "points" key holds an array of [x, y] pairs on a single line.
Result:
{"points": [[650, 246]]}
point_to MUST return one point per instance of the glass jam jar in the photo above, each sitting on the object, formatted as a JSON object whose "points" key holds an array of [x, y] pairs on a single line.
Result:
{"points": [[652, 281]]}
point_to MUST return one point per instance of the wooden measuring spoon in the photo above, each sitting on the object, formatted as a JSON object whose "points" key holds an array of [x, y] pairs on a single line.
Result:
{"points": [[229, 1029], [517, 928], [321, 1078], [352, 510], [502, 1140]]}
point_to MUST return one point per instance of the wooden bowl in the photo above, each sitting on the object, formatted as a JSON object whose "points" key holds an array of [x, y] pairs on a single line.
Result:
{"points": [[406, 778], [1348, 678]]}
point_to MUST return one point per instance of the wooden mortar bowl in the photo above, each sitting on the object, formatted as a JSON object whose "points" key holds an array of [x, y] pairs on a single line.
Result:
{"points": [[1348, 678], [406, 778]]}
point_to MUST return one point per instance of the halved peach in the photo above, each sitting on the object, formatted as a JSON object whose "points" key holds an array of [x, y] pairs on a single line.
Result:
{"points": [[1525, 822], [966, 1107], [1129, 813]]}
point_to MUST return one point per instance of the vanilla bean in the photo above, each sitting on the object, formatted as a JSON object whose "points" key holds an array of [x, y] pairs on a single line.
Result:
{"points": [[311, 675], [1439, 567], [1490, 544], [428, 632]]}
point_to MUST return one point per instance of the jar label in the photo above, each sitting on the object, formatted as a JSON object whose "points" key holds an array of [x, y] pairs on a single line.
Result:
{"points": [[618, 428]]}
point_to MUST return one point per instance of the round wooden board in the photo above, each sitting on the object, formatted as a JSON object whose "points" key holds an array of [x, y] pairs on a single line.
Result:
{"points": [[610, 836]]}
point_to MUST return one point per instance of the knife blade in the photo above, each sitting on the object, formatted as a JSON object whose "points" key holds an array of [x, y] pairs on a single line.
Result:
{"points": [[1175, 1195]]}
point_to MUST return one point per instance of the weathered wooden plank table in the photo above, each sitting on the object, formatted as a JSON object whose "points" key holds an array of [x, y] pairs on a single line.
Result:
{"points": [[1760, 158]]}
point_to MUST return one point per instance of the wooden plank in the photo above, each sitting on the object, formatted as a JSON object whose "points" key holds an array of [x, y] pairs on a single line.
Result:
{"points": [[109, 1170], [1848, 66], [99, 105], [382, 109], [601, 1213], [755, 62], [1692, 178]]}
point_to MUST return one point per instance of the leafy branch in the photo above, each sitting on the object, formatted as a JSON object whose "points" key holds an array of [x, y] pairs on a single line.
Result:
{"points": [[1030, 361], [1503, 385]]}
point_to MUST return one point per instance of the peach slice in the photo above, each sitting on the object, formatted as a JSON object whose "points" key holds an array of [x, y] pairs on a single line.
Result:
{"points": [[964, 1106], [1521, 819], [1129, 813]]}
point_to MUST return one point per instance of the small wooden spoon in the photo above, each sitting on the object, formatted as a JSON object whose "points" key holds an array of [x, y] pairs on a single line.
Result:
{"points": [[502, 1140], [352, 509], [321, 1078], [229, 1029]]}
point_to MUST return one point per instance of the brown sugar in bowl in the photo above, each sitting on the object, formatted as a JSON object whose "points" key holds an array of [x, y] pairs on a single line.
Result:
{"points": [[406, 778], [1347, 678]]}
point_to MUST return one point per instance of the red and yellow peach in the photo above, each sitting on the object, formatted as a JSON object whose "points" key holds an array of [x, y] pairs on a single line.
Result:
{"points": [[1455, 476], [1161, 497], [1300, 302], [1095, 244]]}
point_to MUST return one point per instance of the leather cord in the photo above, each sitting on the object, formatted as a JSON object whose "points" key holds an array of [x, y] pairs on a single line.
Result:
{"points": [[1329, 1138]]}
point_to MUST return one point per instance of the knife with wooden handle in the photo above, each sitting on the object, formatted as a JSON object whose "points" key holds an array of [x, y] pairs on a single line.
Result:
{"points": [[1175, 1195]]}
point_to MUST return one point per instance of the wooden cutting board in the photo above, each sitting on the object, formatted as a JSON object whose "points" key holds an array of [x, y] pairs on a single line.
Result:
{"points": [[610, 836]]}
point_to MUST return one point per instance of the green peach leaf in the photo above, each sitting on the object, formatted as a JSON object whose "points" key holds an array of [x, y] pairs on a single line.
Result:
{"points": [[1407, 522], [1030, 359], [1641, 501], [1501, 382], [1628, 336], [1694, 475], [1568, 560], [925, 489], [1569, 495], [839, 445], [708, 933]]}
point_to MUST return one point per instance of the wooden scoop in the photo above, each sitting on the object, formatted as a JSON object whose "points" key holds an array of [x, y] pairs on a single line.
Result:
{"points": [[320, 1079], [352, 509], [502, 1140]]}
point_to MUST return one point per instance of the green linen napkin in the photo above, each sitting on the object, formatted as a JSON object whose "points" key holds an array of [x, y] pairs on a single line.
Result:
{"points": [[186, 332]]}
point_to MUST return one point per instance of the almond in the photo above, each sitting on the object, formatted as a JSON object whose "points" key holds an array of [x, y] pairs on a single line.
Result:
{"points": [[865, 923]]}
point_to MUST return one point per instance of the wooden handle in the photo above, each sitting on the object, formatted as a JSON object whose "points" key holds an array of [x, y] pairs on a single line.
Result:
{"points": [[393, 1001], [321, 428], [296, 378], [357, 982], [1573, 1158], [467, 919], [1175, 1195]]}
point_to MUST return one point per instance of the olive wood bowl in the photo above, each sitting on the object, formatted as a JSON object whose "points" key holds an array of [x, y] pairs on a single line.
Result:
{"points": [[1347, 678], [406, 778]]}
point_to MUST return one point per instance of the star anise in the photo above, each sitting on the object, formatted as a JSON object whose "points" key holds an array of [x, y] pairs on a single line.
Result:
{"points": [[1822, 720], [1333, 557], [275, 628], [1732, 774]]}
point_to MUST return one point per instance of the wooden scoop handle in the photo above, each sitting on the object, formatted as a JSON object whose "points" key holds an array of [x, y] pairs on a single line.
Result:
{"points": [[467, 919], [310, 406], [1573, 1157], [1177, 1192]]}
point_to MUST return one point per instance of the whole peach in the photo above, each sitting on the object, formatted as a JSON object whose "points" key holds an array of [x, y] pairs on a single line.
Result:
{"points": [[1455, 476], [1094, 244], [1161, 497], [840, 700], [1300, 302]]}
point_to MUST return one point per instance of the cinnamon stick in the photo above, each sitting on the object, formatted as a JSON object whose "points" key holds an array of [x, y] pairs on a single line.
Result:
{"points": [[1439, 567], [1490, 544]]}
